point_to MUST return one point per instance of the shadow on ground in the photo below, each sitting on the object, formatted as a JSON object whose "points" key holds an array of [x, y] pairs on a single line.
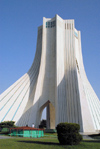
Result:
{"points": [[40, 142], [52, 143]]}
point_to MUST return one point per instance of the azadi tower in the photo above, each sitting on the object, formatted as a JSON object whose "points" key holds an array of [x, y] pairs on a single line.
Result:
{"points": [[56, 80]]}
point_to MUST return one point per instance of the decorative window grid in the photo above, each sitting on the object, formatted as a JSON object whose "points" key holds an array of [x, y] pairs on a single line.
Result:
{"points": [[50, 24]]}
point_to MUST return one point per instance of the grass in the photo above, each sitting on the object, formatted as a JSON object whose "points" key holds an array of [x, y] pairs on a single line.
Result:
{"points": [[50, 135], [44, 143]]}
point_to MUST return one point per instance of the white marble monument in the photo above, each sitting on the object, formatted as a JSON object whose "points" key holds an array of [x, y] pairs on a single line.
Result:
{"points": [[56, 80]]}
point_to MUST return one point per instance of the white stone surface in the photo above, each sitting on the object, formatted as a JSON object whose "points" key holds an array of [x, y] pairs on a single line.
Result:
{"points": [[57, 80]]}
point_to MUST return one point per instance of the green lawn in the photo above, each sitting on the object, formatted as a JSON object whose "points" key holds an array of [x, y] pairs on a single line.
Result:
{"points": [[44, 143]]}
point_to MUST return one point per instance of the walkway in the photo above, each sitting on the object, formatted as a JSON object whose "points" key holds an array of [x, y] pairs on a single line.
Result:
{"points": [[5, 137]]}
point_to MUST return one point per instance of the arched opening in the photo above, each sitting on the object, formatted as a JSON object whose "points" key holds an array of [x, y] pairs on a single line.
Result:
{"points": [[47, 115], [44, 114], [43, 122]]}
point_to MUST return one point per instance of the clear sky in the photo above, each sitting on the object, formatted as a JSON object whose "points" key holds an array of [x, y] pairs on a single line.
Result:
{"points": [[19, 20]]}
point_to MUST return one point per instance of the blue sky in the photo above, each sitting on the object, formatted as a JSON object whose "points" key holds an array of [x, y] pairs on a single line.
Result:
{"points": [[19, 20]]}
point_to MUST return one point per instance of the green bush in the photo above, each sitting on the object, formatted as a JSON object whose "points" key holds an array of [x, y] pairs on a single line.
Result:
{"points": [[5, 126], [68, 133], [43, 124]]}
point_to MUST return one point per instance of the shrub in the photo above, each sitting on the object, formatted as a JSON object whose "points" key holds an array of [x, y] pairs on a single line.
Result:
{"points": [[42, 124], [5, 126], [68, 133]]}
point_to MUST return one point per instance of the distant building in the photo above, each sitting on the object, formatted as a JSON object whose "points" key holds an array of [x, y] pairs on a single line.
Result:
{"points": [[56, 80]]}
